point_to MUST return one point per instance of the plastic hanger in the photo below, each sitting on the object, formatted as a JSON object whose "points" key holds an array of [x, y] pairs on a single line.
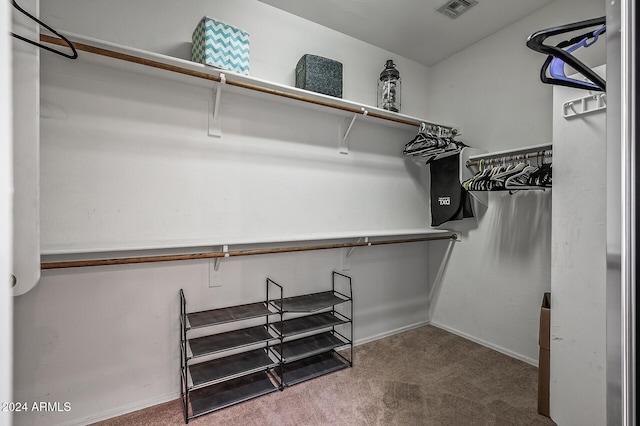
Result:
{"points": [[479, 180], [467, 183], [73, 55], [510, 170], [558, 55], [423, 143], [531, 176], [541, 177], [556, 65], [430, 146], [498, 180], [519, 180]]}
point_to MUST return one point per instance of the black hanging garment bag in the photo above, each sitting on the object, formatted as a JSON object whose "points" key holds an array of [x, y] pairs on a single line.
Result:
{"points": [[449, 200]]}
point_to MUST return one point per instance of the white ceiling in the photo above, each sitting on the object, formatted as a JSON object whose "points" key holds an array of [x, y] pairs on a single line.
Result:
{"points": [[411, 28]]}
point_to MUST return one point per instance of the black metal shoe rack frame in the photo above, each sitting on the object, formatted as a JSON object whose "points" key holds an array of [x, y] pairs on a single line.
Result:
{"points": [[266, 357]]}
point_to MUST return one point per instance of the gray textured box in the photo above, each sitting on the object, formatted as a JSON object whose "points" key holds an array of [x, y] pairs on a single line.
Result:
{"points": [[320, 75]]}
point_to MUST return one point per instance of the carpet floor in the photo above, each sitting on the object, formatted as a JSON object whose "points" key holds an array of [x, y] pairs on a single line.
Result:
{"points": [[425, 376]]}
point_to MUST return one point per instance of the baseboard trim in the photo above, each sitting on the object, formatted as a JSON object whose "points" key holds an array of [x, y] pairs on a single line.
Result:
{"points": [[389, 333], [126, 409], [489, 345]]}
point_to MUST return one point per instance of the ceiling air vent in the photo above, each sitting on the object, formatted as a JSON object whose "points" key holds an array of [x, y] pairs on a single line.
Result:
{"points": [[455, 8]]}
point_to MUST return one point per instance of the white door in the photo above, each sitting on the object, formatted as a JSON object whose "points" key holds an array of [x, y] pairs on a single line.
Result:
{"points": [[6, 178]]}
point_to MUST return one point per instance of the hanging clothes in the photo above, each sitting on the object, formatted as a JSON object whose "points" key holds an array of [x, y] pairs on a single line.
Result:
{"points": [[513, 173], [449, 200], [431, 146]]}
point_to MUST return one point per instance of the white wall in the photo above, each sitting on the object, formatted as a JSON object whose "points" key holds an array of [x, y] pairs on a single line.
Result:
{"points": [[494, 282], [152, 177], [104, 213], [106, 339], [278, 40], [6, 188], [99, 338]]}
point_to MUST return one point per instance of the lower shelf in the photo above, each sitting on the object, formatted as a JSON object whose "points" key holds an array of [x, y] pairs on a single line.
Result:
{"points": [[208, 345], [229, 366], [224, 315], [216, 397], [308, 323], [310, 345], [315, 366]]}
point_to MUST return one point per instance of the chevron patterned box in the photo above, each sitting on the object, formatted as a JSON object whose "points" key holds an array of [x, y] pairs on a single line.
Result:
{"points": [[220, 45]]}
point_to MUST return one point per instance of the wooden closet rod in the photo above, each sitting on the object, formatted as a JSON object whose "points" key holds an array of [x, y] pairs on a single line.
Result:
{"points": [[179, 70], [214, 255]]}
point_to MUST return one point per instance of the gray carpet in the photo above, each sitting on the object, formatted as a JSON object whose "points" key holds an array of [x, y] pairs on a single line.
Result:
{"points": [[425, 376]]}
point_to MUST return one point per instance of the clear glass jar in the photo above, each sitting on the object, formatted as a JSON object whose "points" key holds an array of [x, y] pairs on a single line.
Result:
{"points": [[389, 88]]}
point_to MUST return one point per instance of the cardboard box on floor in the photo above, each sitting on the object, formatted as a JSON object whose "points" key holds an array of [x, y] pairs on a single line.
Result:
{"points": [[544, 356]]}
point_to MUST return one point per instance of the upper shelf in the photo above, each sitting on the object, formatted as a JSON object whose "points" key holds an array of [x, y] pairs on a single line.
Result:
{"points": [[191, 69], [225, 315], [309, 302]]}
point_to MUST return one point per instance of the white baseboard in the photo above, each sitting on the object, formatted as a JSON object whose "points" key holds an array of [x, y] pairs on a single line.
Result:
{"points": [[126, 409], [389, 333], [489, 345]]}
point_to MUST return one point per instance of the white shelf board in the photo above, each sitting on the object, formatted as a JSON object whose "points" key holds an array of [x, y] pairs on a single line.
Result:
{"points": [[197, 246]]}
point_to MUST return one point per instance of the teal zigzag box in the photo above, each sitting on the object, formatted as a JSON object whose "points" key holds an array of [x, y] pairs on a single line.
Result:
{"points": [[220, 45]]}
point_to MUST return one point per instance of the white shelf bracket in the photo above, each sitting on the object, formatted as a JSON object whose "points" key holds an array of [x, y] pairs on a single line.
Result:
{"points": [[585, 105], [216, 262], [215, 122], [347, 252], [344, 143]]}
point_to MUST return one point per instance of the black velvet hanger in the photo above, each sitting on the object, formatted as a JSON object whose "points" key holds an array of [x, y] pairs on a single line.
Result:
{"points": [[73, 55], [558, 52]]}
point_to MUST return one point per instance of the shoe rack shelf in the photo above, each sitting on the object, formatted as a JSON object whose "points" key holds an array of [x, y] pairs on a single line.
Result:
{"points": [[245, 352], [311, 337]]}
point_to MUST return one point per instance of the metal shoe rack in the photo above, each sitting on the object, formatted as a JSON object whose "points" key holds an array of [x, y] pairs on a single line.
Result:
{"points": [[251, 356]]}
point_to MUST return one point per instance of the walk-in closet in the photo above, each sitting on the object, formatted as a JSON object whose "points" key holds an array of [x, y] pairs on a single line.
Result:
{"points": [[310, 212]]}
